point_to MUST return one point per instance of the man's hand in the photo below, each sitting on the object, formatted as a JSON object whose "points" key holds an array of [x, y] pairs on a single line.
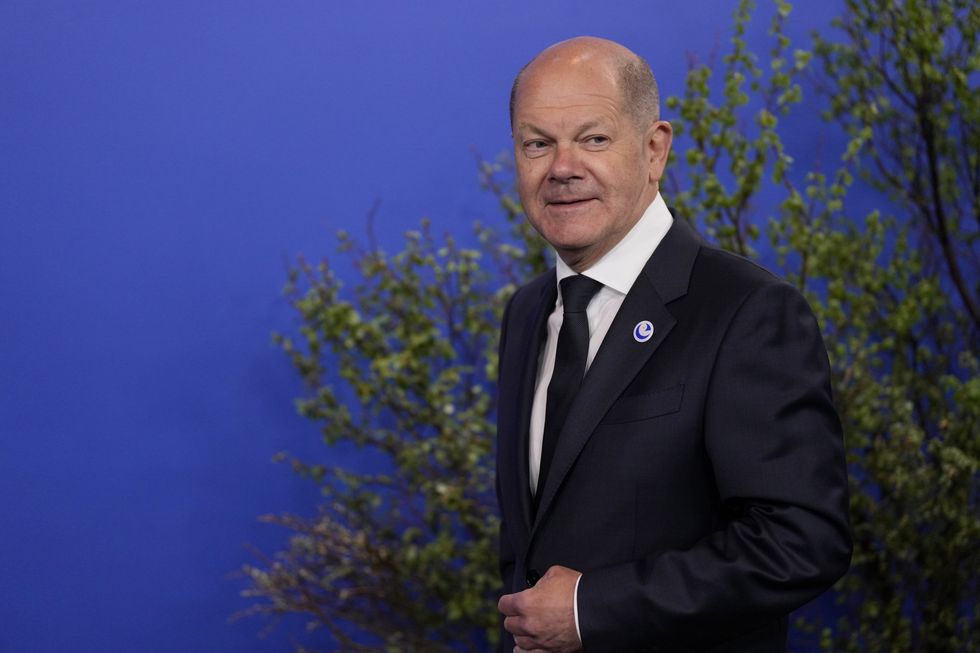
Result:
{"points": [[542, 618]]}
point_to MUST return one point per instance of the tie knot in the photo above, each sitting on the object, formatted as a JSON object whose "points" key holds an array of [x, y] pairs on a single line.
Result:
{"points": [[577, 291]]}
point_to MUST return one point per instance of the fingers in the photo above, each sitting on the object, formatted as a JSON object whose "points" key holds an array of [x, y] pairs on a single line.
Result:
{"points": [[541, 618], [515, 626], [529, 645], [531, 649], [511, 606], [507, 605]]}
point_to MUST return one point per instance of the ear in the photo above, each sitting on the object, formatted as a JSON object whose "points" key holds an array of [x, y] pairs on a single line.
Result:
{"points": [[658, 140]]}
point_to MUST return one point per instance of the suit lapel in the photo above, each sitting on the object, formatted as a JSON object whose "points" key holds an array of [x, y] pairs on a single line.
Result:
{"points": [[664, 278]]}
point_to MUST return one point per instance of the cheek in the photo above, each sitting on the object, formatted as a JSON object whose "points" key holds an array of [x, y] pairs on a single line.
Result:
{"points": [[528, 179]]}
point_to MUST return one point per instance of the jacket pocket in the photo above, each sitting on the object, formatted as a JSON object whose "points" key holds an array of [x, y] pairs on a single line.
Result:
{"points": [[637, 407]]}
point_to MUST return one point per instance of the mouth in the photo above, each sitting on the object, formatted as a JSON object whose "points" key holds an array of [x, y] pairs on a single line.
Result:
{"points": [[569, 203]]}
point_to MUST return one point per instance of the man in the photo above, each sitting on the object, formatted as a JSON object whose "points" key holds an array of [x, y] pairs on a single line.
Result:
{"points": [[690, 490]]}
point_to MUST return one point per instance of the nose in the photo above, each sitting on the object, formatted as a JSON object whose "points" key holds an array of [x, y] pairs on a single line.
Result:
{"points": [[566, 164]]}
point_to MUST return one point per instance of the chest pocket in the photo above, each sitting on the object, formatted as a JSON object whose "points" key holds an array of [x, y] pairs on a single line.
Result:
{"points": [[639, 407]]}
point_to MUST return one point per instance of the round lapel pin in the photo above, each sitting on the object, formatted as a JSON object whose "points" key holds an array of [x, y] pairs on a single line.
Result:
{"points": [[643, 331]]}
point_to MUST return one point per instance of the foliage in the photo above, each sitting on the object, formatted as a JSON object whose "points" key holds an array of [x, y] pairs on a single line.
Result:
{"points": [[906, 90], [890, 290], [403, 364], [402, 559]]}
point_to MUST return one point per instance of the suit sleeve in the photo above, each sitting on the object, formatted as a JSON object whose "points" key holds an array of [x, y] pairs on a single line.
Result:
{"points": [[507, 560], [507, 555], [775, 447]]}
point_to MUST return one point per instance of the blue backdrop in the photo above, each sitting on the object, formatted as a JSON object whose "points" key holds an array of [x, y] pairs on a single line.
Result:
{"points": [[159, 164]]}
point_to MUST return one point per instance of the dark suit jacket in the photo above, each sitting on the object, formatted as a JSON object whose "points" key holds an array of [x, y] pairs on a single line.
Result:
{"points": [[699, 482]]}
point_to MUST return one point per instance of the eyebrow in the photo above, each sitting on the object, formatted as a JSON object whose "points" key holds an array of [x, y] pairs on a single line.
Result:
{"points": [[526, 126], [584, 127], [592, 124]]}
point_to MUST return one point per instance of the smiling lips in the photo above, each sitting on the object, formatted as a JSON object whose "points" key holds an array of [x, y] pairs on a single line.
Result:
{"points": [[570, 203]]}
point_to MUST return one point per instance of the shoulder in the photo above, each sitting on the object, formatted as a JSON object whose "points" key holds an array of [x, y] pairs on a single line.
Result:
{"points": [[751, 303], [685, 266], [528, 297], [722, 284], [727, 272]]}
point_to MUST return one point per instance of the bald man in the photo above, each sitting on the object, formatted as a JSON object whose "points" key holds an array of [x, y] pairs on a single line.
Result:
{"points": [[670, 467]]}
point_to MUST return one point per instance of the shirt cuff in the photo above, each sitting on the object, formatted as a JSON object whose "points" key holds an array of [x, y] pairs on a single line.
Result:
{"points": [[578, 631]]}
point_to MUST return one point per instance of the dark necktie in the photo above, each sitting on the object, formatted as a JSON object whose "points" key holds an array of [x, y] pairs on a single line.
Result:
{"points": [[570, 358]]}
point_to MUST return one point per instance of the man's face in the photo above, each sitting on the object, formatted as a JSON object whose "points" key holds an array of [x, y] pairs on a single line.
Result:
{"points": [[585, 171]]}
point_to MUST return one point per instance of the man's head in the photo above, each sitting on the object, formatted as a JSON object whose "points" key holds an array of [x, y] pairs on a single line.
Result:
{"points": [[589, 145]]}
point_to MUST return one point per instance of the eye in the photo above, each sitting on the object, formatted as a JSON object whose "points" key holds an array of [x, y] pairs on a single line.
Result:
{"points": [[535, 147], [596, 141]]}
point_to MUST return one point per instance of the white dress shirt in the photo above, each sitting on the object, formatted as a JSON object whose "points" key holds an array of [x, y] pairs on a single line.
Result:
{"points": [[616, 271]]}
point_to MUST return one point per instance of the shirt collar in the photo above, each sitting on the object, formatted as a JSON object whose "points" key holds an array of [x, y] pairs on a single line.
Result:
{"points": [[621, 265]]}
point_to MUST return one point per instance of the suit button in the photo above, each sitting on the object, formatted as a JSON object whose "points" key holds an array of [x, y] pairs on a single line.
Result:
{"points": [[532, 577]]}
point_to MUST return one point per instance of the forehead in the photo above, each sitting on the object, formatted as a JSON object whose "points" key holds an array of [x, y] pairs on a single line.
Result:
{"points": [[559, 92]]}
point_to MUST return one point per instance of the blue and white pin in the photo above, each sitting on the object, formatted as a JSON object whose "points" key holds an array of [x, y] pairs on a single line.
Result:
{"points": [[643, 331]]}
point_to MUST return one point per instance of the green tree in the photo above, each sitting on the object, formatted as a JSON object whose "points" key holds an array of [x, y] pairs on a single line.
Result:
{"points": [[403, 364], [895, 290], [906, 89]]}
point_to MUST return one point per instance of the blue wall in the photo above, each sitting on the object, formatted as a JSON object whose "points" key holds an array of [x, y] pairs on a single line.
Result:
{"points": [[159, 164]]}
